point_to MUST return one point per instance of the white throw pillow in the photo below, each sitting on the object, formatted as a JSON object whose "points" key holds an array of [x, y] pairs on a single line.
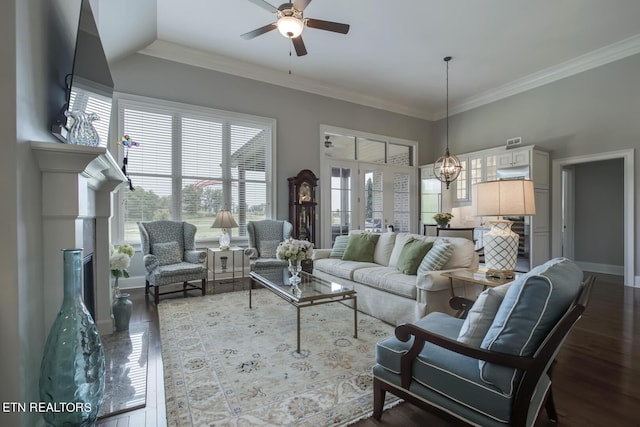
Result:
{"points": [[384, 247], [481, 315]]}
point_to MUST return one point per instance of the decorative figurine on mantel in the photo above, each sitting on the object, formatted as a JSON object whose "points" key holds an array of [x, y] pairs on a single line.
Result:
{"points": [[127, 143]]}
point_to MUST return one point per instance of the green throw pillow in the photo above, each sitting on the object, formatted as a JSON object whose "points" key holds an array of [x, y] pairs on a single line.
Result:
{"points": [[437, 257], [361, 247], [412, 254], [339, 246]]}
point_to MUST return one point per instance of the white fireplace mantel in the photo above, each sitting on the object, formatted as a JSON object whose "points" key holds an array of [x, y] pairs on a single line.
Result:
{"points": [[77, 184]]}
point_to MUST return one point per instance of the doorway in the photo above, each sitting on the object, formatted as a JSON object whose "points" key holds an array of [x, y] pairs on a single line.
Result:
{"points": [[570, 218]]}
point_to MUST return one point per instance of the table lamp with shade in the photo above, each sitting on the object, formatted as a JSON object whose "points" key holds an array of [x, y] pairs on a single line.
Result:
{"points": [[502, 198], [224, 220]]}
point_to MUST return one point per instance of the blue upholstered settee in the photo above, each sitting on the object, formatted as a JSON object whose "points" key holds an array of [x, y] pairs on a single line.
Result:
{"points": [[492, 368]]}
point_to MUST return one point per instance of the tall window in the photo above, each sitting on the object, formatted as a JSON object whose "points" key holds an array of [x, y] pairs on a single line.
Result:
{"points": [[191, 163]]}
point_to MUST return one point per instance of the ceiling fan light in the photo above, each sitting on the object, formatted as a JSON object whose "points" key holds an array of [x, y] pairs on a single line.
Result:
{"points": [[290, 26]]}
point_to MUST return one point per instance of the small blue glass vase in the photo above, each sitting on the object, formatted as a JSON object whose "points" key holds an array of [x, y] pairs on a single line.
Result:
{"points": [[73, 365]]}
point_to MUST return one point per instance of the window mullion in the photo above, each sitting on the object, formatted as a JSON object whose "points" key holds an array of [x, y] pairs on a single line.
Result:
{"points": [[176, 165], [226, 165]]}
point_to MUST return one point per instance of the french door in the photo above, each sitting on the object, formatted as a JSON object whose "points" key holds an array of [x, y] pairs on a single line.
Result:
{"points": [[368, 197]]}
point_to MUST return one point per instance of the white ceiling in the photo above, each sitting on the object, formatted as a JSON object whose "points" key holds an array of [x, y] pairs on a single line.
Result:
{"points": [[392, 57]]}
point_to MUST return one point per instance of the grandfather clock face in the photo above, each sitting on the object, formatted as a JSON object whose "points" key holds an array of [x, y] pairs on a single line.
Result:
{"points": [[304, 194]]}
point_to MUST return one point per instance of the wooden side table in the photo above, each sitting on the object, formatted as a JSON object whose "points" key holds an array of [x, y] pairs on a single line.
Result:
{"points": [[223, 265], [477, 277]]}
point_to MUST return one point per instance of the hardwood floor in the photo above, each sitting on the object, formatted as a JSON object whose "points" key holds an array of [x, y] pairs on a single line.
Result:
{"points": [[596, 379]]}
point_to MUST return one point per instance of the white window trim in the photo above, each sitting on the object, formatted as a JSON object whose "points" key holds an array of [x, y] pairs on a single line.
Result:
{"points": [[325, 193], [117, 220]]}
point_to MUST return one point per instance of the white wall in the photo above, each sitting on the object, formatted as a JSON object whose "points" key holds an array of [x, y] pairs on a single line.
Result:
{"points": [[24, 115], [9, 333], [592, 112]]}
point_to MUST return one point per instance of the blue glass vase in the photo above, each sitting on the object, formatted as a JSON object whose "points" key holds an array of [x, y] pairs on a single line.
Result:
{"points": [[72, 370]]}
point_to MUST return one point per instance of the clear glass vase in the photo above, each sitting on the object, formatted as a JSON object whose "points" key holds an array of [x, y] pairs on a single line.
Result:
{"points": [[73, 365], [295, 267], [82, 131]]}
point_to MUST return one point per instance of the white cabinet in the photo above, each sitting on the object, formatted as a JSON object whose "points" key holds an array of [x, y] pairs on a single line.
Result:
{"points": [[502, 163], [513, 158]]}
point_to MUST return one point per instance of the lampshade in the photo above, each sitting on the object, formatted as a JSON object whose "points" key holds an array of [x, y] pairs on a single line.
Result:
{"points": [[224, 219], [502, 198], [290, 26]]}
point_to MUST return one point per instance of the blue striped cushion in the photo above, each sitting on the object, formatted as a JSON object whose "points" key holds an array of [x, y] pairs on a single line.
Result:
{"points": [[437, 257], [339, 245]]}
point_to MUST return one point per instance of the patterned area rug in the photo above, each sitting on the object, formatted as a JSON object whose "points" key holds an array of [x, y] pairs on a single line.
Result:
{"points": [[227, 365], [125, 370]]}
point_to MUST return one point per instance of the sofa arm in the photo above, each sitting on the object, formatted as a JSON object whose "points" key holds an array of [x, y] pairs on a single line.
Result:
{"points": [[321, 253], [195, 257], [432, 281], [150, 262]]}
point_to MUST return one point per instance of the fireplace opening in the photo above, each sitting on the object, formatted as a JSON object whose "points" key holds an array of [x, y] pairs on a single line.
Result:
{"points": [[88, 293]]}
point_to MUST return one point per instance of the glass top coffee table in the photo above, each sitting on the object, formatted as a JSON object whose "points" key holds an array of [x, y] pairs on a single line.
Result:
{"points": [[309, 292]]}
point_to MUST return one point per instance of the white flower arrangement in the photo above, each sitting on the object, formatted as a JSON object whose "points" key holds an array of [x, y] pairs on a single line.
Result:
{"points": [[295, 250], [120, 260]]}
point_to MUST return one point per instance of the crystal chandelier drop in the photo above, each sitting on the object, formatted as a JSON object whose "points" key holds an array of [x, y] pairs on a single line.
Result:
{"points": [[447, 168]]}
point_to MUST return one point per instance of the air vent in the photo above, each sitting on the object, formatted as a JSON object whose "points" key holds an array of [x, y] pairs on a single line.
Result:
{"points": [[512, 142]]}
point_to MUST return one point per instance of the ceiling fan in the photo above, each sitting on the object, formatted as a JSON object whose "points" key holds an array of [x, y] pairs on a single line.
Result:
{"points": [[290, 22]]}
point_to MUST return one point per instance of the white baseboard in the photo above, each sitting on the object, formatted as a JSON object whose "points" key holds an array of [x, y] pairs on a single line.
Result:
{"points": [[132, 282], [594, 267]]}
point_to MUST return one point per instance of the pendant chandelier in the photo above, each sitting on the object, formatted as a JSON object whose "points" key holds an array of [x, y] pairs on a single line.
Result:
{"points": [[447, 168]]}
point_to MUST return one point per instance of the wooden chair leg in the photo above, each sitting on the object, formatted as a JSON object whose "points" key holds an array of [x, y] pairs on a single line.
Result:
{"points": [[146, 287], [156, 295], [378, 398], [550, 407], [204, 287]]}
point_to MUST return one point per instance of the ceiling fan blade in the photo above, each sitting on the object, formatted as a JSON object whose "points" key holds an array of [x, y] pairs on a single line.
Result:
{"points": [[266, 6], [301, 4], [336, 27], [259, 31], [298, 44]]}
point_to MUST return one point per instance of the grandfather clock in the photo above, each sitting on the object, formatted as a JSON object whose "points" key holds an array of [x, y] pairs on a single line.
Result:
{"points": [[302, 205]]}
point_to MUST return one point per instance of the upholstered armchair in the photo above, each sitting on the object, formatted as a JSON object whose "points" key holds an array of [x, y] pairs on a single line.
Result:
{"points": [[170, 256], [264, 237], [492, 368]]}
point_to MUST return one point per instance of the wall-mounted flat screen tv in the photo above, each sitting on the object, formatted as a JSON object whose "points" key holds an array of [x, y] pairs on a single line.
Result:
{"points": [[89, 87]]}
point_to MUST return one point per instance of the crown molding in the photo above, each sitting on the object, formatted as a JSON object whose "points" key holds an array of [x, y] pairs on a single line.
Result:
{"points": [[186, 55], [197, 58], [594, 59]]}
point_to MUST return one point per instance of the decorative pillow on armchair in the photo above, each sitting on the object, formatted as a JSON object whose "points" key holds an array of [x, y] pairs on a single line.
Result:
{"points": [[267, 248], [167, 253]]}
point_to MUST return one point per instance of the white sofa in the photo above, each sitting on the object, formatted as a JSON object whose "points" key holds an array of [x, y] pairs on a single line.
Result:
{"points": [[389, 295]]}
